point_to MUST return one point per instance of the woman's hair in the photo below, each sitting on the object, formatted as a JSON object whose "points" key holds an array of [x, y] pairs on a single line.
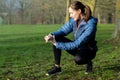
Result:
{"points": [[85, 9]]}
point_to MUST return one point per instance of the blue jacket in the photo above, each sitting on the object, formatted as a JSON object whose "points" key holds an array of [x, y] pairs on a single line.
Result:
{"points": [[84, 35]]}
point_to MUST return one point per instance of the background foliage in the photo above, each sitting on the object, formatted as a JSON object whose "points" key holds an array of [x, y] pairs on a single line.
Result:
{"points": [[50, 11]]}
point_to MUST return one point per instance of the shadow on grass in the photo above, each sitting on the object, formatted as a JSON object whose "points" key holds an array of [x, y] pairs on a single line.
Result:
{"points": [[116, 68]]}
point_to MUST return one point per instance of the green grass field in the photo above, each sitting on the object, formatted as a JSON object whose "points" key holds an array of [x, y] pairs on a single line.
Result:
{"points": [[24, 55]]}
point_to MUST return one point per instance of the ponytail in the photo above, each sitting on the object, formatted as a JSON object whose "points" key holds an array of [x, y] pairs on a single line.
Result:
{"points": [[87, 13], [85, 10]]}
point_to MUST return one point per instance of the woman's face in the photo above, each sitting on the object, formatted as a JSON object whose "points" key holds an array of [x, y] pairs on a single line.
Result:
{"points": [[75, 14]]}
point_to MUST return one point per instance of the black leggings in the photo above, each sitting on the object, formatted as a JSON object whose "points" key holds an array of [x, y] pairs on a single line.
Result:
{"points": [[80, 56]]}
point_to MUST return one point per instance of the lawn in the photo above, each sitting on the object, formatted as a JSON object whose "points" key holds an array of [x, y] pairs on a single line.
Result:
{"points": [[24, 55]]}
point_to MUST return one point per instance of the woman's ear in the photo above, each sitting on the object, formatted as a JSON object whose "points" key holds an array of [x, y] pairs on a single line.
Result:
{"points": [[79, 11]]}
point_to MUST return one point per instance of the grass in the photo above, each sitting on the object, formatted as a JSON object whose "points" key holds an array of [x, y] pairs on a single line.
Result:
{"points": [[24, 55]]}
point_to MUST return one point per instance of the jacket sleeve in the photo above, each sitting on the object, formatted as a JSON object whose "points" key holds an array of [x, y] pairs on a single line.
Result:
{"points": [[86, 35], [65, 29]]}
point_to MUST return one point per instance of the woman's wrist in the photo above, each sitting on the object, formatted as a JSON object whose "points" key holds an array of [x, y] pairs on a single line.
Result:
{"points": [[54, 43]]}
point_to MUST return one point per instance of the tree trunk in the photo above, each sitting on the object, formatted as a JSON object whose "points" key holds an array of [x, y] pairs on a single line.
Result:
{"points": [[116, 34], [91, 4], [67, 13], [99, 19], [95, 3]]}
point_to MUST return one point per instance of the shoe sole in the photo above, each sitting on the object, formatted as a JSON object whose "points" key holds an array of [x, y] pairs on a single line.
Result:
{"points": [[88, 72], [53, 74]]}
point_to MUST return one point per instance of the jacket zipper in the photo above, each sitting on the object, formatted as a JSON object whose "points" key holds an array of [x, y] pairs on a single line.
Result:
{"points": [[77, 28]]}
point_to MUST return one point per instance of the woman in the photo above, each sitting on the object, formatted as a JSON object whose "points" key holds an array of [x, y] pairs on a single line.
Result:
{"points": [[83, 48]]}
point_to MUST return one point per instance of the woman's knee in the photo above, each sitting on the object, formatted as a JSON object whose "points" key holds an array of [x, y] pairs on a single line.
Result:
{"points": [[78, 60]]}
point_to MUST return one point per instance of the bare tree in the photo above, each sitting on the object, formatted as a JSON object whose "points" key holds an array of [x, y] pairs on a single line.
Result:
{"points": [[105, 11], [9, 5], [25, 5]]}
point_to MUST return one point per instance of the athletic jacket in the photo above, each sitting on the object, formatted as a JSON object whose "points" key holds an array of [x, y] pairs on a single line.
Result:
{"points": [[84, 34]]}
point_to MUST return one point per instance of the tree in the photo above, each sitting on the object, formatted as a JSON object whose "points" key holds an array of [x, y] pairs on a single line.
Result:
{"points": [[68, 2], [92, 4], [105, 11], [53, 11], [9, 5], [24, 6], [116, 34], [95, 3]]}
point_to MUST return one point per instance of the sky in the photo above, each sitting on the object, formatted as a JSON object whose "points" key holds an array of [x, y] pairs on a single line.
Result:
{"points": [[13, 4]]}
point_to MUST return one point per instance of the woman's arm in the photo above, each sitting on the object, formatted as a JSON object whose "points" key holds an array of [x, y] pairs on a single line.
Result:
{"points": [[65, 29]]}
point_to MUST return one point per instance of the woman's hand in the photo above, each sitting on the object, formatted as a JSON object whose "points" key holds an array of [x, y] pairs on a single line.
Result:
{"points": [[50, 38]]}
